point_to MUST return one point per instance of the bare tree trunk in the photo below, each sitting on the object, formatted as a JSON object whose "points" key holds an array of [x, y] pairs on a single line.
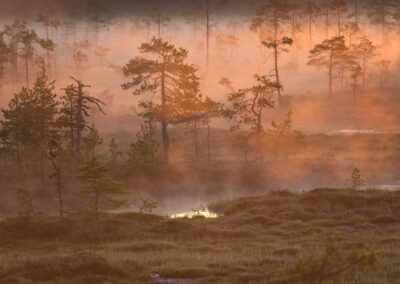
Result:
{"points": [[275, 25], [354, 93], [164, 124], [96, 32], [47, 51], [195, 140], [27, 71], [60, 202], [72, 129], [356, 13], [383, 21], [207, 31], [97, 198], [79, 117], [310, 30], [260, 146], [277, 73], [79, 124], [158, 22], [330, 75], [208, 142], [327, 23], [245, 152], [364, 68], [293, 25]]}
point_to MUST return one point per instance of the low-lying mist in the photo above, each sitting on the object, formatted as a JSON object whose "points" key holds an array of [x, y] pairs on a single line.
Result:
{"points": [[317, 145]]}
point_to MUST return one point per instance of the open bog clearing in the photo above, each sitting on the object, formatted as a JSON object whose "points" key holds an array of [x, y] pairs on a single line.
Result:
{"points": [[262, 239]]}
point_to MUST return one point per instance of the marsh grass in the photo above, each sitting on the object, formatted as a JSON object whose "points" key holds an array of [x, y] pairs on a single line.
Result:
{"points": [[255, 239]]}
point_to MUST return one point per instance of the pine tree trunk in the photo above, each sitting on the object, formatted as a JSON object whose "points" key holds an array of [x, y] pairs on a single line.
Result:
{"points": [[327, 24], [79, 124], [195, 140], [277, 73], [60, 194], [364, 67], [310, 30], [158, 22], [164, 124], [96, 206], [354, 92], [47, 50], [356, 12], [27, 71], [275, 25], [208, 142], [207, 31], [293, 24], [383, 21], [330, 74]]}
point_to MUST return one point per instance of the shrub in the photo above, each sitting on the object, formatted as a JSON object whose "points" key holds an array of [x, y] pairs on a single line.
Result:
{"points": [[335, 261]]}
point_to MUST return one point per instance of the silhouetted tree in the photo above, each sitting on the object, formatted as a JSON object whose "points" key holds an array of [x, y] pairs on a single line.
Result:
{"points": [[159, 75], [248, 106], [114, 151], [340, 7], [101, 53], [99, 187], [227, 41], [57, 157], [91, 142], [273, 13], [49, 21], [80, 53], [277, 46], [328, 54], [381, 13], [13, 37], [76, 102], [364, 51], [311, 9], [356, 73], [4, 55], [29, 121], [30, 39]]}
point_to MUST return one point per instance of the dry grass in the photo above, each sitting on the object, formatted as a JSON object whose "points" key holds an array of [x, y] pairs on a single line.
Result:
{"points": [[256, 238]]}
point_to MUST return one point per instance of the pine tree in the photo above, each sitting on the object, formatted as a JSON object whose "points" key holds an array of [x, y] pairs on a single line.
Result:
{"points": [[364, 51], [328, 54], [271, 14], [159, 75], [312, 10], [99, 187], [30, 39], [278, 46], [356, 73], [4, 56], [248, 106], [340, 7], [13, 36], [29, 122], [77, 104], [143, 153], [49, 21], [356, 180], [114, 151], [57, 158], [91, 142], [381, 13]]}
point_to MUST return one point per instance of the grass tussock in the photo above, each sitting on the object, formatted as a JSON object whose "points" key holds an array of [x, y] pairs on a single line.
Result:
{"points": [[263, 239]]}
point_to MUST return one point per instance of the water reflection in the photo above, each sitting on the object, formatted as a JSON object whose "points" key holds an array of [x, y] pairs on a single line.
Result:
{"points": [[196, 212]]}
